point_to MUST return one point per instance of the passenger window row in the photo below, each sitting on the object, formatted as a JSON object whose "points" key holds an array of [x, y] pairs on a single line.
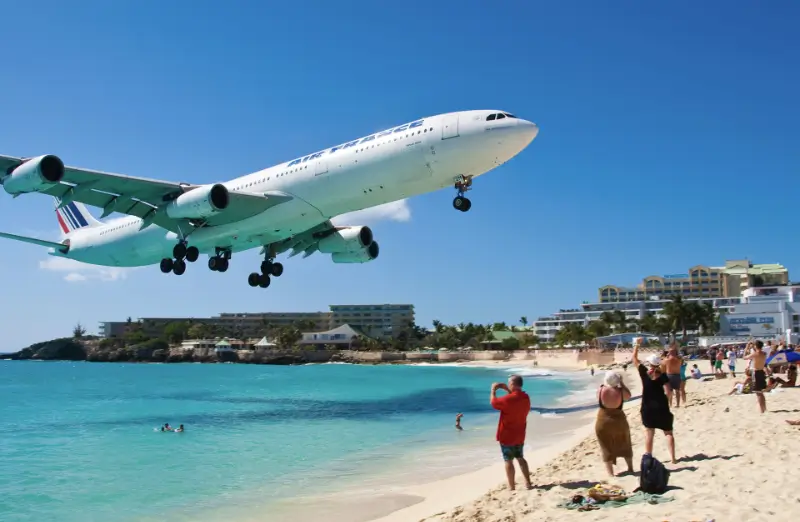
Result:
{"points": [[499, 116]]}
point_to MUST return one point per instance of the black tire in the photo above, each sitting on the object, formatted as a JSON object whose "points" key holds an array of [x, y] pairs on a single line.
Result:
{"points": [[223, 265], [459, 203], [277, 269], [213, 263], [166, 265], [179, 267], [263, 280], [192, 253], [179, 251], [467, 205], [253, 279], [266, 267]]}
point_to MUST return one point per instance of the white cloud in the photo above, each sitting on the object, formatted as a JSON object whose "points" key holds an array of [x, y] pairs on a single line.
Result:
{"points": [[394, 211], [77, 271]]}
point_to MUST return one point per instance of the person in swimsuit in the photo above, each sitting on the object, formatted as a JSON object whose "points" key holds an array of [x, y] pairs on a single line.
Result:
{"points": [[458, 421], [684, 378], [672, 367], [757, 356], [611, 427], [655, 405]]}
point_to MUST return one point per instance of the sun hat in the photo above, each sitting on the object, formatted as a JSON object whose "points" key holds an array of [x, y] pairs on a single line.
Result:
{"points": [[654, 360]]}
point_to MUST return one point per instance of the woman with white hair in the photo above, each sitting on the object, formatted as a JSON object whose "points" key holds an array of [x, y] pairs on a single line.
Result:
{"points": [[655, 405], [611, 426]]}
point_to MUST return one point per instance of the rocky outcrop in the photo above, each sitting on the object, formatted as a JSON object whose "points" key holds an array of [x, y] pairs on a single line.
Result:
{"points": [[55, 350]]}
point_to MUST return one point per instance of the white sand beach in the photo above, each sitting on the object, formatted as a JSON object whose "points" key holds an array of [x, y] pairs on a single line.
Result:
{"points": [[734, 463]]}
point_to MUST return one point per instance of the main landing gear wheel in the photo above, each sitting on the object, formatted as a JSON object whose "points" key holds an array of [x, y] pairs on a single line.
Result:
{"points": [[217, 264], [179, 251], [270, 268], [461, 203], [256, 279], [166, 265], [179, 267], [192, 253]]}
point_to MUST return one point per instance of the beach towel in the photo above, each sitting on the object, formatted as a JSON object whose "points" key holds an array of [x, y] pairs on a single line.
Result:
{"points": [[640, 497]]}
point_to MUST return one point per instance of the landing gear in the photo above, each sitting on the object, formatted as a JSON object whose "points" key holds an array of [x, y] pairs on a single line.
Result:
{"points": [[271, 268], [461, 203], [462, 184], [181, 254], [256, 279], [219, 262], [268, 268]]}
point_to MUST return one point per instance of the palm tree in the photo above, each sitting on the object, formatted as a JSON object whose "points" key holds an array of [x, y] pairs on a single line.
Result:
{"points": [[438, 326], [648, 323], [678, 315], [524, 321], [597, 329]]}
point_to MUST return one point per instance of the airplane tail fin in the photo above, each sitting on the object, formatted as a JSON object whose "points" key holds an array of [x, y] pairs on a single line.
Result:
{"points": [[73, 216]]}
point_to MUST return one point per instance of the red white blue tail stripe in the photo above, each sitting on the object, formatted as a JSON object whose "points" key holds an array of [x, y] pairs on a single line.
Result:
{"points": [[73, 216]]}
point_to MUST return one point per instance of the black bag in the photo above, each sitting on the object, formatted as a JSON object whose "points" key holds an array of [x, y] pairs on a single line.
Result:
{"points": [[654, 477]]}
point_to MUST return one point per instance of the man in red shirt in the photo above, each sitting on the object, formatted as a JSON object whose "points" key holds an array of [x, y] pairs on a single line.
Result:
{"points": [[514, 408]]}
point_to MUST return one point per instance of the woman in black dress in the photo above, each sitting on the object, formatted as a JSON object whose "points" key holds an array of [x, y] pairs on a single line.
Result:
{"points": [[655, 405]]}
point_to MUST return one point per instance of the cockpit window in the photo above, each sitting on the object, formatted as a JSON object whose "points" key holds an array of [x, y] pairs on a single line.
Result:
{"points": [[501, 116], [491, 117], [509, 115]]}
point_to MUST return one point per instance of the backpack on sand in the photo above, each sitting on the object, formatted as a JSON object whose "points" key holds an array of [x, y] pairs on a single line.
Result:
{"points": [[654, 477]]}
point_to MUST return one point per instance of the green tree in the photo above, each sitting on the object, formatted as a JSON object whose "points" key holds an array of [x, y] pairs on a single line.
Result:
{"points": [[678, 315], [500, 327], [288, 336], [78, 331], [176, 331], [198, 331], [524, 321], [510, 344], [648, 323], [438, 326], [597, 329]]}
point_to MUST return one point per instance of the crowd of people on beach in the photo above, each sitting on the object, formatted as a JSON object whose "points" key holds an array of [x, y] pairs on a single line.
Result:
{"points": [[663, 381]]}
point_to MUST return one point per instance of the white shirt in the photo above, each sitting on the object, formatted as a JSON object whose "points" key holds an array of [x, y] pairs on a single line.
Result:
{"points": [[732, 358]]}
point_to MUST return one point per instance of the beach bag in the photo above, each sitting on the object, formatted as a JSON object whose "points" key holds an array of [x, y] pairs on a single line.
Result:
{"points": [[654, 477]]}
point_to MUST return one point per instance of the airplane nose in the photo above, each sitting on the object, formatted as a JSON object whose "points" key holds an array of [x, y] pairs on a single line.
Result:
{"points": [[527, 129]]}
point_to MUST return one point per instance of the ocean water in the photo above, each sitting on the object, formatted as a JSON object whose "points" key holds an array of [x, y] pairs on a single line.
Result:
{"points": [[78, 440]]}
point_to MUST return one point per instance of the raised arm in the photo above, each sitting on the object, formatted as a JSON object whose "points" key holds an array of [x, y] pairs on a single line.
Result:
{"points": [[635, 358], [626, 393]]}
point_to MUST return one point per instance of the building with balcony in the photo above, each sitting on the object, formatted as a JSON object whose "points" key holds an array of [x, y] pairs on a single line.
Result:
{"points": [[700, 282], [379, 321]]}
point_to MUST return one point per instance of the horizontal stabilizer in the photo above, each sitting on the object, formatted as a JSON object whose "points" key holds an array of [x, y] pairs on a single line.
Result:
{"points": [[32, 240]]}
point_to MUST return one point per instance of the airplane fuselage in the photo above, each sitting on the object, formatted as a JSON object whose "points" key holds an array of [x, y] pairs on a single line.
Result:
{"points": [[405, 161]]}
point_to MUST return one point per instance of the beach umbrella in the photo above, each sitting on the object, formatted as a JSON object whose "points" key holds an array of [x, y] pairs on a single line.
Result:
{"points": [[784, 357]]}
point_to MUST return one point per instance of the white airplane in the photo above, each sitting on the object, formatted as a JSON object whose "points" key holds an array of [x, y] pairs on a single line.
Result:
{"points": [[285, 207]]}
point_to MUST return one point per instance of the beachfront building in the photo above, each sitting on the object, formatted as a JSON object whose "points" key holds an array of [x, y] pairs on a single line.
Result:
{"points": [[545, 328], [379, 321], [768, 312], [341, 337], [700, 281]]}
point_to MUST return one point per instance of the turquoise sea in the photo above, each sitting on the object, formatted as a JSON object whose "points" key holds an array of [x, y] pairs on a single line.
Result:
{"points": [[78, 440]]}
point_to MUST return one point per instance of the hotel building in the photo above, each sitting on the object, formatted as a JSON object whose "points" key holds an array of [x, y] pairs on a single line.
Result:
{"points": [[379, 321], [700, 282]]}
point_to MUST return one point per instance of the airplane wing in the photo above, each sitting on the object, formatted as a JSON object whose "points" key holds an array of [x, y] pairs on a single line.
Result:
{"points": [[32, 240], [305, 242], [142, 197]]}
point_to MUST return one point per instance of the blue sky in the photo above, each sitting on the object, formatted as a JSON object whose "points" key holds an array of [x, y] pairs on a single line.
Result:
{"points": [[669, 137]]}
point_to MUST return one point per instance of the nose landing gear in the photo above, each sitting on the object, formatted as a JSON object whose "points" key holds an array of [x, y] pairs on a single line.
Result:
{"points": [[462, 184]]}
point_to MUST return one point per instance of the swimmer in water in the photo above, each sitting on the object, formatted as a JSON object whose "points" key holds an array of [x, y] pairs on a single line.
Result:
{"points": [[180, 429], [458, 421]]}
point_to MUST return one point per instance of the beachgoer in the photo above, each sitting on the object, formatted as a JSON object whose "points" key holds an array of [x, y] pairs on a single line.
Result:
{"points": [[746, 385], [180, 429], [611, 427], [672, 367], [684, 378], [696, 373], [718, 363], [514, 408], [458, 421], [655, 405], [758, 358], [789, 382], [712, 358], [591, 370], [732, 362]]}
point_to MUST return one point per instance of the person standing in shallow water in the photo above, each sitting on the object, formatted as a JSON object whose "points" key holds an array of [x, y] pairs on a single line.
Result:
{"points": [[611, 427], [514, 408], [655, 405]]}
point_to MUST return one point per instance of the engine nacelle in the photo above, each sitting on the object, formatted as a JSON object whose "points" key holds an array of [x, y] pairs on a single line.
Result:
{"points": [[34, 175], [346, 239], [199, 203], [362, 256]]}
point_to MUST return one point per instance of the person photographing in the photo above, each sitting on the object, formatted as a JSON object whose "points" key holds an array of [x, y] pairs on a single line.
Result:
{"points": [[514, 408]]}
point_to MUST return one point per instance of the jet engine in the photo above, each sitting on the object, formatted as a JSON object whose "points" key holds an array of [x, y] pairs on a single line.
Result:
{"points": [[361, 256], [199, 203], [34, 175], [346, 239]]}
